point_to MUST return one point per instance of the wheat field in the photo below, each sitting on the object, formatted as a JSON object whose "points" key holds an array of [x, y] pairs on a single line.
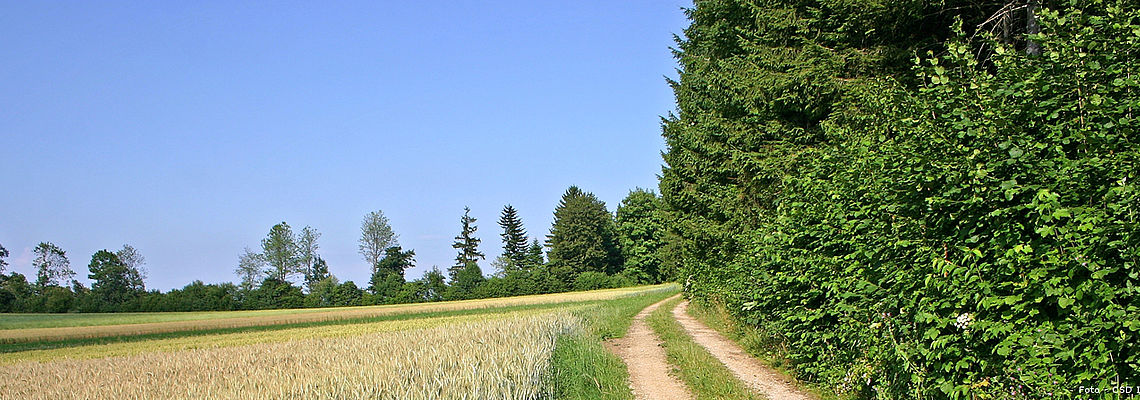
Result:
{"points": [[110, 325], [506, 358]]}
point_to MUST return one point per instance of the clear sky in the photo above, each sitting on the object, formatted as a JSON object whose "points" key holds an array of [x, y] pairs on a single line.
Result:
{"points": [[188, 129]]}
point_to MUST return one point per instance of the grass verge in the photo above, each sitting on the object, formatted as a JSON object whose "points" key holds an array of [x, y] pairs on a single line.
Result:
{"points": [[583, 367], [705, 376]]}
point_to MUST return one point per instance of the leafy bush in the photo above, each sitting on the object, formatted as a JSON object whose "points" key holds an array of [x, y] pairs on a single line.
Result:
{"points": [[974, 236]]}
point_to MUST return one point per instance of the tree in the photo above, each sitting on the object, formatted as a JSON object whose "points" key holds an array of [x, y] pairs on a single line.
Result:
{"points": [[434, 285], [465, 283], [466, 243], [534, 255], [136, 272], [514, 236], [280, 251], [52, 266], [322, 293], [3, 255], [375, 237], [388, 279], [396, 261], [347, 294], [582, 237], [318, 272], [641, 234], [307, 254], [250, 269], [112, 281]]}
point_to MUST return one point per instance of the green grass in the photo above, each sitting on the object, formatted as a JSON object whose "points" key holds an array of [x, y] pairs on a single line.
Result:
{"points": [[583, 367], [753, 341], [705, 376], [30, 321]]}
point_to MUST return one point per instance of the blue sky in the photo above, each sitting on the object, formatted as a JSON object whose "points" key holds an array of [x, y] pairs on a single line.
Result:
{"points": [[187, 129]]}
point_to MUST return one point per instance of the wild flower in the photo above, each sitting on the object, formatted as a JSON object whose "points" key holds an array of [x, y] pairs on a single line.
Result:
{"points": [[964, 321]]}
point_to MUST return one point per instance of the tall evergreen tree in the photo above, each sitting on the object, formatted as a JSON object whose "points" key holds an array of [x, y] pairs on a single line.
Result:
{"points": [[467, 244], [514, 236], [582, 237], [534, 254]]}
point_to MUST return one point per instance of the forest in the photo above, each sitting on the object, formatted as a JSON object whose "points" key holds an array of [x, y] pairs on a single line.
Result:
{"points": [[588, 248], [914, 199]]}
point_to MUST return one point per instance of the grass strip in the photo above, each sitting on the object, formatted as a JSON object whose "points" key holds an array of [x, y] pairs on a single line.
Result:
{"points": [[705, 376], [583, 367]]}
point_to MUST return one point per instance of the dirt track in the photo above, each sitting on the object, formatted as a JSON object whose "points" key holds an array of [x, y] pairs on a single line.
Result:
{"points": [[751, 371], [648, 370]]}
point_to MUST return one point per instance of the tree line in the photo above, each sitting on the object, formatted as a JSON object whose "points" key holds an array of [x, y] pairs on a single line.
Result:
{"points": [[915, 199], [588, 247]]}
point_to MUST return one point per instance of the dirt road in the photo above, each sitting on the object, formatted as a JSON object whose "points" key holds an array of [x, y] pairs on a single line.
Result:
{"points": [[648, 370], [748, 369]]}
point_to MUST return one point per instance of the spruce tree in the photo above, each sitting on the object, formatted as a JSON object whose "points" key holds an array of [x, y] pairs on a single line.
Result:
{"points": [[582, 237], [467, 244], [514, 236]]}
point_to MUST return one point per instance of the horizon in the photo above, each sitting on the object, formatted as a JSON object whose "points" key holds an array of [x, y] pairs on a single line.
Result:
{"points": [[187, 131]]}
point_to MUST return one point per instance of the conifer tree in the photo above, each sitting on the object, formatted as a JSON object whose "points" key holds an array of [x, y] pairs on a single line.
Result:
{"points": [[582, 237], [467, 244], [514, 236]]}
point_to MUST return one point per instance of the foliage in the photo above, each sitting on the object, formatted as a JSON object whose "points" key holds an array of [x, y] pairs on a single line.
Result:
{"points": [[307, 257], [641, 229], [3, 262], [279, 248], [274, 293], [465, 283], [52, 266], [514, 236], [582, 237], [113, 282], [250, 269], [968, 230], [467, 244], [318, 272], [347, 294], [135, 263], [376, 235], [322, 293]]}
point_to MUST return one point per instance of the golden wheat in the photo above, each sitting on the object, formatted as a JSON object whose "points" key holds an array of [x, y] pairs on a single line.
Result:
{"points": [[507, 358]]}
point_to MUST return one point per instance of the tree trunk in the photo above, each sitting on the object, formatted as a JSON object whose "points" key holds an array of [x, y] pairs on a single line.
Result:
{"points": [[1032, 48]]}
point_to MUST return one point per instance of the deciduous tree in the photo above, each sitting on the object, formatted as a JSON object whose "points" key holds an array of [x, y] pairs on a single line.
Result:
{"points": [[52, 266], [376, 235]]}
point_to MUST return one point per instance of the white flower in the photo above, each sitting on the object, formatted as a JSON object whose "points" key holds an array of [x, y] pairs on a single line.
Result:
{"points": [[964, 321]]}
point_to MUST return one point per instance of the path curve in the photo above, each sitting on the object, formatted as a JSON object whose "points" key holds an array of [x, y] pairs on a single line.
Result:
{"points": [[748, 369], [648, 368]]}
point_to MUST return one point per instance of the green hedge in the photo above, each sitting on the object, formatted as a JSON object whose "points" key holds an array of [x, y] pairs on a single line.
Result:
{"points": [[973, 235]]}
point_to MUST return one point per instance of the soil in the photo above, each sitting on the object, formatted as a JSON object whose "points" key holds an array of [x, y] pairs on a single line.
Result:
{"points": [[748, 369], [648, 369]]}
